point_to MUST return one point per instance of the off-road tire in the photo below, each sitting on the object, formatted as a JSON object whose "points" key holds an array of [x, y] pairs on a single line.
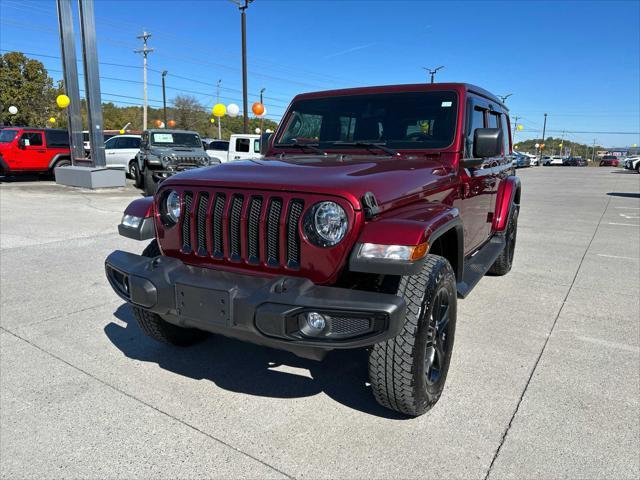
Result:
{"points": [[504, 262], [63, 162], [134, 172], [397, 367], [150, 185], [155, 327]]}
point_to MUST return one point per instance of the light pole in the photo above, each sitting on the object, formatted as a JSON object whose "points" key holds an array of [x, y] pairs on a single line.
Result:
{"points": [[243, 5], [544, 130], [218, 101], [504, 97], [433, 72], [261, 103], [164, 98]]}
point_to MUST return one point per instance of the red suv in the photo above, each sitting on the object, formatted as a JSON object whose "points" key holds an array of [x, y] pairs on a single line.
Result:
{"points": [[37, 150], [373, 210], [609, 161]]}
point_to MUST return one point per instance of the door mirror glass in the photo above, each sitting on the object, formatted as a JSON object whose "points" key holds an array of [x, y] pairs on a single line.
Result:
{"points": [[265, 142], [487, 142]]}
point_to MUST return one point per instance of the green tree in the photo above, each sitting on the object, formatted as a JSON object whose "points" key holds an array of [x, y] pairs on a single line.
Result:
{"points": [[25, 84]]}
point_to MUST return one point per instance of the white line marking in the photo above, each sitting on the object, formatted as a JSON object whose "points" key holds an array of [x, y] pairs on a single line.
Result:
{"points": [[630, 208], [624, 224], [628, 217], [605, 343], [615, 256]]}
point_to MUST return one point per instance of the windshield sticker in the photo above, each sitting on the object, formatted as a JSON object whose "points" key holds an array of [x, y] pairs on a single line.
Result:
{"points": [[163, 138], [446, 104], [27, 142]]}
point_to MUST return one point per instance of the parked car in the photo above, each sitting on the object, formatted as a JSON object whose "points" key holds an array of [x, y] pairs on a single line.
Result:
{"points": [[33, 150], [239, 147], [520, 161], [556, 161], [546, 161], [632, 163], [575, 162], [122, 150], [164, 153], [352, 232], [533, 159], [609, 161]]}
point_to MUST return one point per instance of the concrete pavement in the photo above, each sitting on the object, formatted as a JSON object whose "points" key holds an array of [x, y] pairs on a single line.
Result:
{"points": [[544, 382]]}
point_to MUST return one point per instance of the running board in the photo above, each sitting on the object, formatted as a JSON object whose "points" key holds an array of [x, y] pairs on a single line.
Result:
{"points": [[475, 267]]}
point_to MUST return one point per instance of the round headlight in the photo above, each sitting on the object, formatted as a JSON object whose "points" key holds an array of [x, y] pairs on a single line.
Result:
{"points": [[326, 224], [204, 161], [172, 207]]}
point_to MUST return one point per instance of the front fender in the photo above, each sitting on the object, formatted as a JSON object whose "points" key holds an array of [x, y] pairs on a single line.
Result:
{"points": [[508, 191], [142, 209], [412, 225]]}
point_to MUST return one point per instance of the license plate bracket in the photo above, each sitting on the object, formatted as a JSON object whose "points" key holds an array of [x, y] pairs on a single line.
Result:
{"points": [[203, 305]]}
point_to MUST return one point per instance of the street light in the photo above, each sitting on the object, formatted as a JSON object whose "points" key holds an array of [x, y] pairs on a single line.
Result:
{"points": [[243, 5], [164, 97], [433, 72], [504, 97]]}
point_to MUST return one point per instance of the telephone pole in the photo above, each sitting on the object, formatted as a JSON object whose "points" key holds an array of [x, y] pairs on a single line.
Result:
{"points": [[164, 98], [144, 51], [242, 6], [593, 153], [544, 130], [262, 116], [433, 72], [217, 102]]}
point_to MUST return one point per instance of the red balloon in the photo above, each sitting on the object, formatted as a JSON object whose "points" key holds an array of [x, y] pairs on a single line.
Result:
{"points": [[157, 123], [258, 108], [171, 123]]}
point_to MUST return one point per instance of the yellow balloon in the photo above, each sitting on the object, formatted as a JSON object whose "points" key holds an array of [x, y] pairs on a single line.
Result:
{"points": [[121, 132], [213, 120], [634, 145], [63, 101], [52, 120], [219, 110], [520, 127]]}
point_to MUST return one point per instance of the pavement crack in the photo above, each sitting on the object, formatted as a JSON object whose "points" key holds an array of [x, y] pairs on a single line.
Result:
{"points": [[544, 346], [134, 398]]}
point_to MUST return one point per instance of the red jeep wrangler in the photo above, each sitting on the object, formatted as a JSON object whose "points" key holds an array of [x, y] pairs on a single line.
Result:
{"points": [[374, 209], [33, 150]]}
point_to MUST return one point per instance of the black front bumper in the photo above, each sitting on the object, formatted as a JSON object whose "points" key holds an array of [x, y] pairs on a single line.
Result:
{"points": [[265, 311]]}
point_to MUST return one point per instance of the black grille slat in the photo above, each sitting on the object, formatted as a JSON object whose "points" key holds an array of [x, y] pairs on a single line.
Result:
{"points": [[201, 223], [253, 229], [186, 222], [293, 237], [218, 213], [235, 215], [273, 231]]}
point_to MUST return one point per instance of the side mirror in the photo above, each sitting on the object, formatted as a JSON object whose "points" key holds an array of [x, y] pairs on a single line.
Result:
{"points": [[21, 143], [265, 143], [487, 142]]}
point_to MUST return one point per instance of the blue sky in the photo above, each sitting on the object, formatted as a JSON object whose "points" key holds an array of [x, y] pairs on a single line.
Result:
{"points": [[578, 61]]}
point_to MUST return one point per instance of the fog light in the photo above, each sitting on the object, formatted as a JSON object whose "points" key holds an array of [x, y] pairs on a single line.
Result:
{"points": [[315, 320]]}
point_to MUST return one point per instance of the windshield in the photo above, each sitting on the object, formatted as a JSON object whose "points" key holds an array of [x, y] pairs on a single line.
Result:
{"points": [[7, 136], [406, 120], [176, 139]]}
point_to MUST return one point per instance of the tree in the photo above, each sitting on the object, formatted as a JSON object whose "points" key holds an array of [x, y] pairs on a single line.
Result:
{"points": [[25, 84]]}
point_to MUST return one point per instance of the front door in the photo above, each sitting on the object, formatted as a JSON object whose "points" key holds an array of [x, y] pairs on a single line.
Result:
{"points": [[33, 153]]}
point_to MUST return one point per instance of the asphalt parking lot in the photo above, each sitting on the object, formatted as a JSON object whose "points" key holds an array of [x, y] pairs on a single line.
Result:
{"points": [[545, 378]]}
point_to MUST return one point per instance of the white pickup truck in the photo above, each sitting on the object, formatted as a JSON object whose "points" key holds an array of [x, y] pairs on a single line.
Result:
{"points": [[239, 147]]}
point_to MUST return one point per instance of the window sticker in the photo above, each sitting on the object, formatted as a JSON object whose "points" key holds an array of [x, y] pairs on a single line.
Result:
{"points": [[27, 142], [446, 104], [163, 138]]}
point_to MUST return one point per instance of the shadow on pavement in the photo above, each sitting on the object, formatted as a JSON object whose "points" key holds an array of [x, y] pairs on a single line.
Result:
{"points": [[27, 177], [624, 194], [246, 368]]}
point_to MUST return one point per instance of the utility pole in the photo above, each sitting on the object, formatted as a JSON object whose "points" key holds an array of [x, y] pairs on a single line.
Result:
{"points": [[144, 51], [243, 5], [218, 101], [262, 116], [544, 130], [515, 128], [562, 143], [164, 98], [433, 72], [593, 153]]}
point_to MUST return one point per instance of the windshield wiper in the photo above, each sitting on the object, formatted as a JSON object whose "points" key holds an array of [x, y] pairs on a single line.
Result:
{"points": [[313, 147], [368, 145]]}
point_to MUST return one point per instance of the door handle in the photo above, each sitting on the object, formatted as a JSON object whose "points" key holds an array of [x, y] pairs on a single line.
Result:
{"points": [[41, 151]]}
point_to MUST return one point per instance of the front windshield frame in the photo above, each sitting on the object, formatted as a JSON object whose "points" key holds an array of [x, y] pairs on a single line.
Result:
{"points": [[8, 138], [197, 142], [443, 96]]}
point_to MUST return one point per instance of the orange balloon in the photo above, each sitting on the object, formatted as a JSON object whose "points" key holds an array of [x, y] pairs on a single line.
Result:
{"points": [[258, 108], [157, 123], [172, 123]]}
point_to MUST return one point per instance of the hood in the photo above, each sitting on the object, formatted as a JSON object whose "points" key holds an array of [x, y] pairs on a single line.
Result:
{"points": [[388, 178]]}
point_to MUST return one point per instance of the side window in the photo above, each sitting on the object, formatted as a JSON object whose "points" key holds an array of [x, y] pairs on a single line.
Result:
{"points": [[506, 135], [129, 142], [347, 128], [242, 144], [56, 139], [494, 120], [476, 121], [32, 139], [256, 146], [109, 144]]}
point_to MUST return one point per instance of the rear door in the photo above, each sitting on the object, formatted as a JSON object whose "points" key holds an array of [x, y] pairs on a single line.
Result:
{"points": [[33, 152]]}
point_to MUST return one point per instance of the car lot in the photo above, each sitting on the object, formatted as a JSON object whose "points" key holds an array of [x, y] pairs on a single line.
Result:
{"points": [[545, 378]]}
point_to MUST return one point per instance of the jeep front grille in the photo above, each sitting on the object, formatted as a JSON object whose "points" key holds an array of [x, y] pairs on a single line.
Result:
{"points": [[242, 228]]}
